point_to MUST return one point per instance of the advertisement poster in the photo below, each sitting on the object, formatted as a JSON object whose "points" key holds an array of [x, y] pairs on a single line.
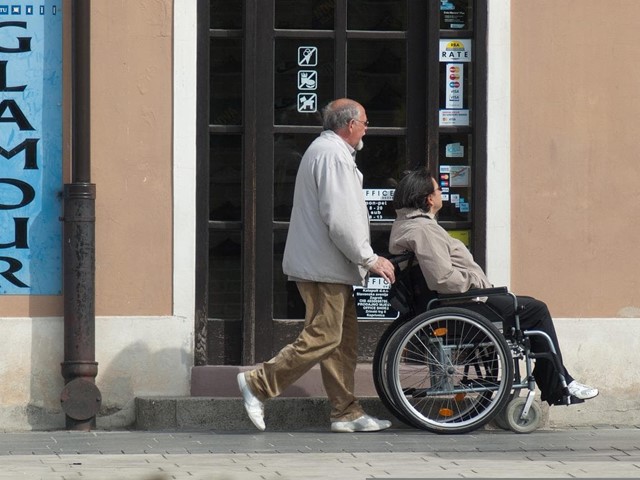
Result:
{"points": [[453, 14], [31, 147], [458, 50], [380, 204], [372, 301]]}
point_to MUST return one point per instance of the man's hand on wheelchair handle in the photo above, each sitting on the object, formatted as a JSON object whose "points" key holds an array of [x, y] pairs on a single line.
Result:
{"points": [[385, 269]]}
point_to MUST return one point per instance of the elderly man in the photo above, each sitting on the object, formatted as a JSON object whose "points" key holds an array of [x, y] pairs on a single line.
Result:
{"points": [[327, 252]]}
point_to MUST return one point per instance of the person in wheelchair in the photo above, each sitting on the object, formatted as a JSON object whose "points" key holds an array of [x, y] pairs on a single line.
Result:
{"points": [[448, 267]]}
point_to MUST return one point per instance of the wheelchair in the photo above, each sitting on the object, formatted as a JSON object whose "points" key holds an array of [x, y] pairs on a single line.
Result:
{"points": [[446, 365]]}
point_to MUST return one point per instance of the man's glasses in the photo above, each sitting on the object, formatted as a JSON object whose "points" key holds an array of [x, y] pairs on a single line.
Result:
{"points": [[365, 123]]}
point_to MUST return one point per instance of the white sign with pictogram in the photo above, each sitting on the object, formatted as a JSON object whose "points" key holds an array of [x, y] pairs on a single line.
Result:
{"points": [[307, 80], [307, 102], [307, 56]]}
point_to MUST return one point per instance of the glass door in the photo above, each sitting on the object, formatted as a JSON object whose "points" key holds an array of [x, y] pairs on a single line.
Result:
{"points": [[373, 52], [272, 66]]}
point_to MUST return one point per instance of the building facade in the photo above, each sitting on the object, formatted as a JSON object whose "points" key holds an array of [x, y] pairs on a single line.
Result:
{"points": [[200, 111]]}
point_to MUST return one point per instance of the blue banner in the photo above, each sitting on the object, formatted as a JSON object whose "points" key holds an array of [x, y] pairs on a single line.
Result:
{"points": [[30, 147]]}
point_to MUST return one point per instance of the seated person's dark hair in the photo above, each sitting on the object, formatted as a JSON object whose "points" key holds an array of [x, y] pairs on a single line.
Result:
{"points": [[413, 189]]}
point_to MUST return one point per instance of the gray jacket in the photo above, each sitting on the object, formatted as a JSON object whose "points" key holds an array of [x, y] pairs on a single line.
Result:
{"points": [[446, 263], [328, 239]]}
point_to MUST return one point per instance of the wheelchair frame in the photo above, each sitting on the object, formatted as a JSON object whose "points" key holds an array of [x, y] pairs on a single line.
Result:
{"points": [[451, 369]]}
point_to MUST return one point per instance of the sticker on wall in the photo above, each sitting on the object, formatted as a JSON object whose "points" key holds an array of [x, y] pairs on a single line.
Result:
{"points": [[453, 15], [458, 50], [444, 179], [454, 118], [307, 102], [460, 176], [454, 150], [31, 148], [379, 203], [307, 80], [453, 85], [307, 56]]}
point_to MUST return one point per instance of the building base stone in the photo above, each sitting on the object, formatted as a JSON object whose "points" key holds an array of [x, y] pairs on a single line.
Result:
{"points": [[227, 414]]}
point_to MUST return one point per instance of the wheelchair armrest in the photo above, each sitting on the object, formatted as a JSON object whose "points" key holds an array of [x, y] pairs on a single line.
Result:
{"points": [[473, 293]]}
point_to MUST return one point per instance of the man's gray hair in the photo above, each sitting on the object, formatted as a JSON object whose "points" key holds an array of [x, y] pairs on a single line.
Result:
{"points": [[334, 117]]}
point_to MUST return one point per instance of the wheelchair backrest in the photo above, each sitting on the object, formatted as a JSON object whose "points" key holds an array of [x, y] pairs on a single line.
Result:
{"points": [[409, 294]]}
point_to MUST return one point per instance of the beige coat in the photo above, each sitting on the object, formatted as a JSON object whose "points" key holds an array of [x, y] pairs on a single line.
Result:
{"points": [[446, 263], [328, 239]]}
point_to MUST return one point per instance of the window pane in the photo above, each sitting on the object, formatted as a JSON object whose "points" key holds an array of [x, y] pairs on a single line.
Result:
{"points": [[456, 14], [385, 15], [225, 177], [305, 14], [376, 77], [304, 70], [226, 81], [380, 241], [225, 275], [287, 303], [226, 14], [288, 150], [381, 162], [455, 176]]}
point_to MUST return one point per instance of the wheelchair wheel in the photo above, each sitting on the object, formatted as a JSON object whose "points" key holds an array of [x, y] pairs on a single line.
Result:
{"points": [[513, 414], [500, 419], [379, 368], [449, 370]]}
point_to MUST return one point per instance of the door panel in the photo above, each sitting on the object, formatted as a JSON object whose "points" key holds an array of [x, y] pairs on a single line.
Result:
{"points": [[376, 76], [366, 61], [273, 64]]}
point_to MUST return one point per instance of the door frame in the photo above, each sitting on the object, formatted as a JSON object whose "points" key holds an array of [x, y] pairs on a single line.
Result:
{"points": [[258, 294]]}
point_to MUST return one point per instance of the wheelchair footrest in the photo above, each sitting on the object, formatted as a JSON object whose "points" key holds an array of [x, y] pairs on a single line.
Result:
{"points": [[570, 400]]}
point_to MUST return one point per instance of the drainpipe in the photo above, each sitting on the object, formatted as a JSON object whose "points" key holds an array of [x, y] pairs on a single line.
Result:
{"points": [[80, 397]]}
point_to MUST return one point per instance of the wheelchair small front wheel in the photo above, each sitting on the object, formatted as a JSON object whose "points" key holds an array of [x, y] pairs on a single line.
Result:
{"points": [[513, 414], [500, 420]]}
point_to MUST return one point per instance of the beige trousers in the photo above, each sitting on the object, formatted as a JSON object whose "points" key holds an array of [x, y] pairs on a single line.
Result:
{"points": [[329, 337]]}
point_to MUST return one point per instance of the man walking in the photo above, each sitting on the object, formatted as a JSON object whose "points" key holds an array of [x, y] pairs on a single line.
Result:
{"points": [[328, 251]]}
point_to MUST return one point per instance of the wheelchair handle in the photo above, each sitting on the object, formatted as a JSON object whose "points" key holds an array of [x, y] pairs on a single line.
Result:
{"points": [[397, 260]]}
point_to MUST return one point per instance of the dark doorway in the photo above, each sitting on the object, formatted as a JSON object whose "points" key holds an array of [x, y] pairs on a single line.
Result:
{"points": [[267, 69]]}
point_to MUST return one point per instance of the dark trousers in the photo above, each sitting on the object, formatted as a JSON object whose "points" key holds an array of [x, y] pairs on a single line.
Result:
{"points": [[534, 315]]}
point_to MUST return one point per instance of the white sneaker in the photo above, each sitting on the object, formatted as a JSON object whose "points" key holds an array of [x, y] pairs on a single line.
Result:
{"points": [[583, 392], [253, 406], [365, 423]]}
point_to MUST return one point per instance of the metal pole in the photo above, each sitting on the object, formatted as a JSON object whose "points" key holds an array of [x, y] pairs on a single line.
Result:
{"points": [[80, 397]]}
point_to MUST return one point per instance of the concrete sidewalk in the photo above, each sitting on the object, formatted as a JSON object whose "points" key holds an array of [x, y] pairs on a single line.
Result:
{"points": [[594, 452]]}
